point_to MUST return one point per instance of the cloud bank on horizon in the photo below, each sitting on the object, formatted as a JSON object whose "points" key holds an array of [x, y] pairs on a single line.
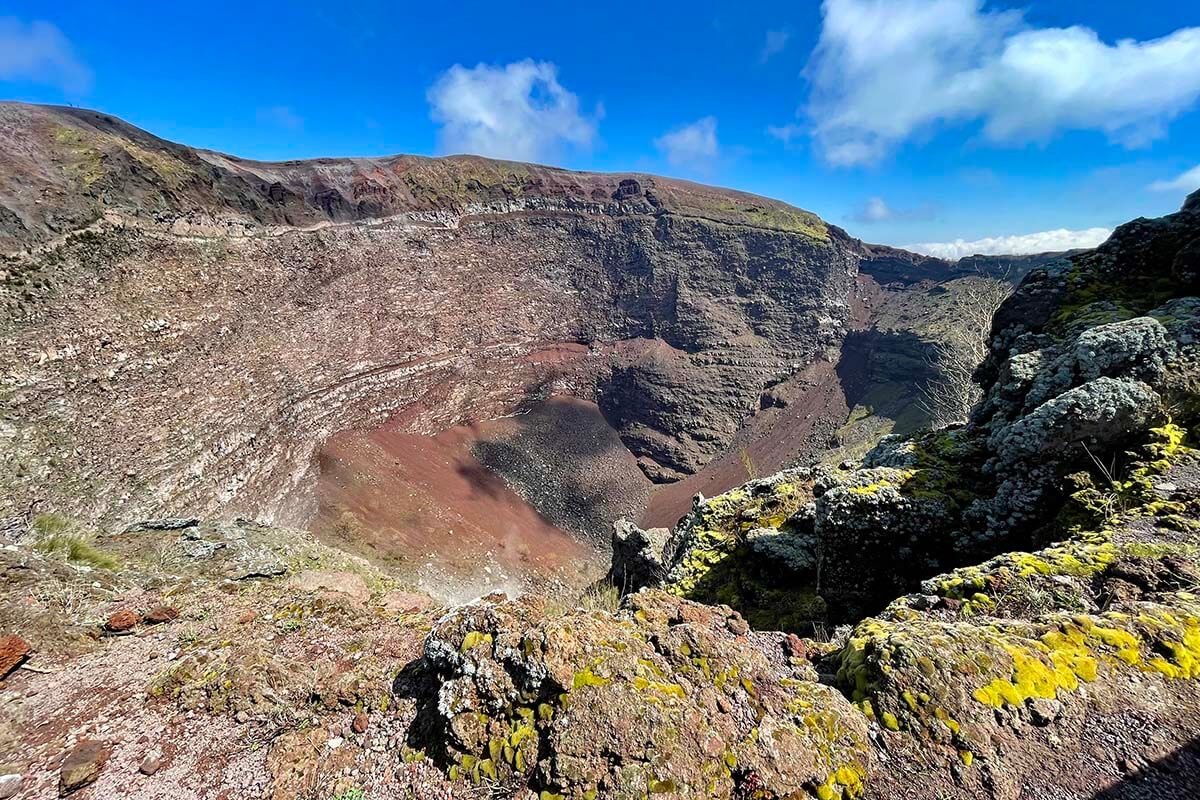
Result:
{"points": [[886, 71], [1184, 183], [1023, 244]]}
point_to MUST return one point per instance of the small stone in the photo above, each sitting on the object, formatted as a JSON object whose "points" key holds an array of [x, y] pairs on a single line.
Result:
{"points": [[150, 765], [921, 602], [81, 766], [796, 647], [737, 625], [335, 742], [121, 621], [1043, 711], [9, 785], [246, 617], [360, 723], [13, 652], [161, 614]]}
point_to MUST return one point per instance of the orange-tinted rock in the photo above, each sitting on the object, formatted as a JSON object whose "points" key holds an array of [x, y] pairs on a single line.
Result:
{"points": [[160, 614], [361, 723], [13, 652], [121, 621]]}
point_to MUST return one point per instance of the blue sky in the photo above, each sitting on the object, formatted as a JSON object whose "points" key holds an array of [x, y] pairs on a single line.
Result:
{"points": [[904, 121]]}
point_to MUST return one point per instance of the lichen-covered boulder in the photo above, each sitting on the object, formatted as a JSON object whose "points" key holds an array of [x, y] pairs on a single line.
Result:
{"points": [[667, 697], [993, 668], [870, 514], [1134, 349]]}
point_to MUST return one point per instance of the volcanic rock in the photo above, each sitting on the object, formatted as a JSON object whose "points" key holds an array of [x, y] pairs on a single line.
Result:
{"points": [[13, 652], [160, 614], [122, 621], [82, 766]]}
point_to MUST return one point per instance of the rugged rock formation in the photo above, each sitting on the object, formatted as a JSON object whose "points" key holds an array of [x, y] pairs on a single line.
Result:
{"points": [[1089, 359], [199, 336], [206, 322], [998, 679]]}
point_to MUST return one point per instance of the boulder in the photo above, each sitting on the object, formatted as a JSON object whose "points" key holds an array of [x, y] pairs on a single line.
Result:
{"points": [[667, 696], [122, 621], [82, 766], [637, 556]]}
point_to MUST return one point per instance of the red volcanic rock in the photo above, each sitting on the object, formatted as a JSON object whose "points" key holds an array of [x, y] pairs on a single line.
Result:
{"points": [[121, 621], [795, 646], [13, 652], [161, 614]]}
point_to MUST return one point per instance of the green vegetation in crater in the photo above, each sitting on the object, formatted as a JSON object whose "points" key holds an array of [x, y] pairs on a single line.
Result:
{"points": [[58, 537]]}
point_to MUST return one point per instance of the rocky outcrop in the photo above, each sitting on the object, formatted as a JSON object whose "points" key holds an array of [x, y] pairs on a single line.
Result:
{"points": [[637, 555], [1091, 358], [994, 679], [235, 314], [667, 697], [1017, 675]]}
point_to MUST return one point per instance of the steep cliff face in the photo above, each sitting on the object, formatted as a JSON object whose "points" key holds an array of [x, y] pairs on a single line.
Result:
{"points": [[217, 319]]}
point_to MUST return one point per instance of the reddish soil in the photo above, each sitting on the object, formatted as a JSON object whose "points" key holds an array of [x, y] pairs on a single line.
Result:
{"points": [[426, 502]]}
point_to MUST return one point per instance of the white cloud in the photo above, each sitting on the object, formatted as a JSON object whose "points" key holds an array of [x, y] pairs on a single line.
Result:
{"points": [[280, 116], [1187, 182], [1043, 242], [885, 71], [774, 44], [875, 210], [786, 133], [519, 111], [693, 145], [40, 53]]}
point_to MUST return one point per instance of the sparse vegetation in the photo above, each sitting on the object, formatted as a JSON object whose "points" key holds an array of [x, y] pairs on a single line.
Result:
{"points": [[949, 398], [747, 463], [59, 537], [601, 597]]}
